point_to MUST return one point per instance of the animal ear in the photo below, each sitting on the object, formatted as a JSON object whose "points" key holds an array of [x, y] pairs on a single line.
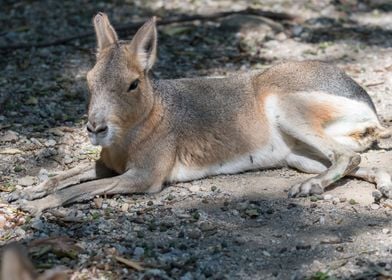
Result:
{"points": [[106, 35], [144, 44]]}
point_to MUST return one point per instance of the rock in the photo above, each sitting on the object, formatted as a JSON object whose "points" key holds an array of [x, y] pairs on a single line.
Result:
{"points": [[194, 233], [187, 276], [43, 175], [2, 221], [56, 132], [67, 159], [386, 230], [281, 36], [37, 224], [297, 30], [98, 202], [374, 206], [124, 207], [138, 252], [328, 197], [26, 181], [50, 143], [9, 136], [206, 226], [335, 200], [342, 199]]}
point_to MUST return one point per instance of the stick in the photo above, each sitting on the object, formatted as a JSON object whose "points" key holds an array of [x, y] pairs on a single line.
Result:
{"points": [[134, 25]]}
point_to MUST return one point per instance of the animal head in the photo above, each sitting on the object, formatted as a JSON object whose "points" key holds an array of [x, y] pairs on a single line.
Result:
{"points": [[120, 90]]}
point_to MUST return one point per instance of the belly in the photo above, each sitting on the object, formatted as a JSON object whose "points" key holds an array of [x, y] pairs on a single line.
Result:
{"points": [[271, 155]]}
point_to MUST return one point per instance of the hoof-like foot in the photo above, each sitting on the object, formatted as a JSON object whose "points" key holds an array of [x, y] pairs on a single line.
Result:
{"points": [[34, 192], [33, 207], [385, 189], [309, 187]]}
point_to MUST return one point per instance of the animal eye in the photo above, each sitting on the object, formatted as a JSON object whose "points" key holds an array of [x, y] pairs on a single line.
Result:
{"points": [[133, 85]]}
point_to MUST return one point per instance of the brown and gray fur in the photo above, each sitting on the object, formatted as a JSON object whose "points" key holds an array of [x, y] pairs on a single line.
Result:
{"points": [[307, 115]]}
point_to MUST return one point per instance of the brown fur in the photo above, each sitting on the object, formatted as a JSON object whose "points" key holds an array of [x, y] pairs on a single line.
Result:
{"points": [[152, 132]]}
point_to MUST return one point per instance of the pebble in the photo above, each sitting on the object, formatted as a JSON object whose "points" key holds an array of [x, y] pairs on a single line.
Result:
{"points": [[67, 159], [194, 233], [26, 181], [98, 202], [328, 197], [386, 230], [342, 199], [2, 221], [374, 206], [9, 136], [138, 252], [50, 143], [335, 200], [124, 207]]}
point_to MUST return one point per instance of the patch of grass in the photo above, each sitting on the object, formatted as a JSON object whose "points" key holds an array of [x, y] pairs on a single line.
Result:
{"points": [[319, 275]]}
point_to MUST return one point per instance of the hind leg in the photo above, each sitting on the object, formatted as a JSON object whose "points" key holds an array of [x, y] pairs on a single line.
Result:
{"points": [[342, 161]]}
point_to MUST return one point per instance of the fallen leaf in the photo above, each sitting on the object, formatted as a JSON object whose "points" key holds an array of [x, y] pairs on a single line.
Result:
{"points": [[130, 263]]}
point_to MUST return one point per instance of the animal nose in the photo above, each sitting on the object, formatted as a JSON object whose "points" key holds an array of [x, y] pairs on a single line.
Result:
{"points": [[97, 129]]}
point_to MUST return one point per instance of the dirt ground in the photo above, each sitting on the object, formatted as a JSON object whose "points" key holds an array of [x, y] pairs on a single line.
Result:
{"points": [[226, 227]]}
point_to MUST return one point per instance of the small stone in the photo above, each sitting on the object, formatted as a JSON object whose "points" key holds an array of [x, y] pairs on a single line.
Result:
{"points": [[265, 253], [335, 200], [297, 30], [281, 36], [342, 199], [374, 206], [138, 252], [26, 181], [98, 202], [2, 221], [352, 202], [124, 207], [194, 234], [56, 132], [9, 136], [386, 230], [206, 226], [50, 143], [252, 213], [150, 203], [67, 159], [187, 276], [328, 197], [213, 188], [313, 199], [37, 224], [43, 175]]}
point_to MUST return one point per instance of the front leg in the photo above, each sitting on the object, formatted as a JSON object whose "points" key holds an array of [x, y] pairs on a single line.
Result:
{"points": [[132, 181], [76, 175]]}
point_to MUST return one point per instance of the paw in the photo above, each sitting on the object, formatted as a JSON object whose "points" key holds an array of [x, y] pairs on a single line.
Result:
{"points": [[385, 189], [309, 187], [33, 207], [29, 193]]}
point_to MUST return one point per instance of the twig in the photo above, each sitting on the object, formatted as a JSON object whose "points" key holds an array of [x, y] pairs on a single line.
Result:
{"points": [[374, 84], [134, 25]]}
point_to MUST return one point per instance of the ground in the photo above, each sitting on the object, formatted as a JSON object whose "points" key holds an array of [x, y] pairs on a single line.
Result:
{"points": [[225, 227]]}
